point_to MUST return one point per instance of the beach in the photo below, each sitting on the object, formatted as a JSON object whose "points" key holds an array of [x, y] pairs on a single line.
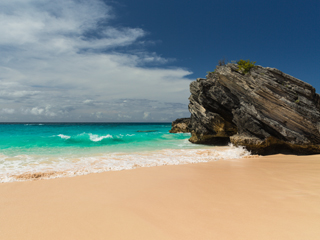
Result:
{"points": [[53, 150], [270, 197]]}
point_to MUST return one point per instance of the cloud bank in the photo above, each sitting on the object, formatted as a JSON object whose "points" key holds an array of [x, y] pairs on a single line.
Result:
{"points": [[65, 61]]}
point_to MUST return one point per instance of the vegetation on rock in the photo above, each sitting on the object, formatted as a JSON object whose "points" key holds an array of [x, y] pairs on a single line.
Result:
{"points": [[244, 66]]}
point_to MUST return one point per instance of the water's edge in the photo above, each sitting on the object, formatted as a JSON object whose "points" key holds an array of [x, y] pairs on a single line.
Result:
{"points": [[45, 151]]}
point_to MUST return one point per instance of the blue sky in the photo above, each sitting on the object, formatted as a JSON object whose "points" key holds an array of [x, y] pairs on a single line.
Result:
{"points": [[281, 34], [124, 60]]}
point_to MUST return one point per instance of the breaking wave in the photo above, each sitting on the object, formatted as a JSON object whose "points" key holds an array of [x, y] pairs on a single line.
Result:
{"points": [[84, 137], [92, 139], [63, 136], [97, 138]]}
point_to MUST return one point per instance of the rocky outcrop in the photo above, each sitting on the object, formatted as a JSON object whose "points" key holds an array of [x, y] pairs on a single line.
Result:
{"points": [[181, 125], [265, 110]]}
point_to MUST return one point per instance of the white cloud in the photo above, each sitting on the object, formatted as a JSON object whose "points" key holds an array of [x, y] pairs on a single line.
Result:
{"points": [[44, 111], [8, 110], [58, 54], [36, 111], [146, 115], [17, 94], [87, 101]]}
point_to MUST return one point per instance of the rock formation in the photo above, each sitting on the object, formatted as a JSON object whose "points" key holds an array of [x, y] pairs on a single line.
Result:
{"points": [[181, 125], [265, 110]]}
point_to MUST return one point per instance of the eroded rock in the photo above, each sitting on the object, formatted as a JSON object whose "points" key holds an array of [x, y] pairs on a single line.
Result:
{"points": [[264, 110], [181, 125]]}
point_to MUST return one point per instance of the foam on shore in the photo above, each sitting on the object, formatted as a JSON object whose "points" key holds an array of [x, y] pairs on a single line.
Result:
{"points": [[29, 167]]}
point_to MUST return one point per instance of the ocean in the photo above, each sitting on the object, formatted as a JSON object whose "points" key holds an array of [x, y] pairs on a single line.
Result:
{"points": [[48, 150]]}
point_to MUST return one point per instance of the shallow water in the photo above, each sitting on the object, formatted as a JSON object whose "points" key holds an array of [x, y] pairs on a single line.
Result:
{"points": [[49, 150]]}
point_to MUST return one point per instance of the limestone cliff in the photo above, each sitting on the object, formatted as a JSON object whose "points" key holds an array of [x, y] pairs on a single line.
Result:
{"points": [[265, 110]]}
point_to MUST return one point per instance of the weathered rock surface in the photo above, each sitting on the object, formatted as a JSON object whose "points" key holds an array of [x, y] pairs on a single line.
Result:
{"points": [[181, 125], [265, 110]]}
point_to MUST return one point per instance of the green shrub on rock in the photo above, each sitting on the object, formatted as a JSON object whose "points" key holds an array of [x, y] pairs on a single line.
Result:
{"points": [[244, 66]]}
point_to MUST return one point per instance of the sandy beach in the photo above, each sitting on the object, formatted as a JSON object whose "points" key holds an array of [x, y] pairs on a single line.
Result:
{"points": [[272, 197]]}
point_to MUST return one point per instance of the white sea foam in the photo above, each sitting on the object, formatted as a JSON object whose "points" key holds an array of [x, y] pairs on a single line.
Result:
{"points": [[26, 167], [97, 138], [64, 136]]}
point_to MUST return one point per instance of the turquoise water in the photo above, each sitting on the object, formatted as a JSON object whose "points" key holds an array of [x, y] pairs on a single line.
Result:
{"points": [[72, 138], [67, 149]]}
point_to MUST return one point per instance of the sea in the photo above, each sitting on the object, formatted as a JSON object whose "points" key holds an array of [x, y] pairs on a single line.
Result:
{"points": [[30, 151]]}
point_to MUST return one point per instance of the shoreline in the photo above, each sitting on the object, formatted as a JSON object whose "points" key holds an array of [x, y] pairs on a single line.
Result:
{"points": [[49, 167], [269, 197]]}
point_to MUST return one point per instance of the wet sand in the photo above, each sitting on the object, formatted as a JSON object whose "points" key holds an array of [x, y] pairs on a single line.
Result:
{"points": [[273, 197]]}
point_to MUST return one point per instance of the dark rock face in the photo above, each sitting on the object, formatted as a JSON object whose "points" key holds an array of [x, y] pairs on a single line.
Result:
{"points": [[265, 110], [181, 125]]}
